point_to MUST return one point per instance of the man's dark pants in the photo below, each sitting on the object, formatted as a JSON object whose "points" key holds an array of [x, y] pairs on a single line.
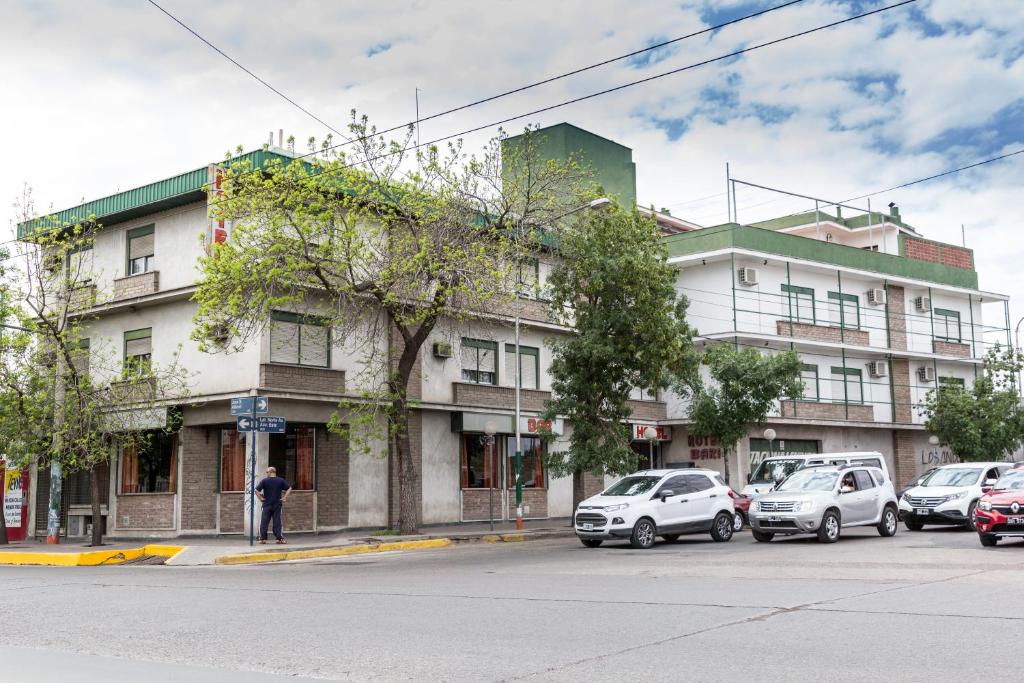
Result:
{"points": [[268, 512]]}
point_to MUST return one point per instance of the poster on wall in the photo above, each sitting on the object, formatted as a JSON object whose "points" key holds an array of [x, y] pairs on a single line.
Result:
{"points": [[14, 496]]}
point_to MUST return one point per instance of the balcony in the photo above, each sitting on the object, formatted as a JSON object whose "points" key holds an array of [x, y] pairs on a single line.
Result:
{"points": [[812, 410], [491, 396], [946, 348], [137, 285], [133, 390], [822, 333], [649, 410], [302, 378], [82, 297]]}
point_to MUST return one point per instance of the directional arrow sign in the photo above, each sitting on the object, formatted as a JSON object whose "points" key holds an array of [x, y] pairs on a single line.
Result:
{"points": [[246, 424], [247, 405], [262, 404]]}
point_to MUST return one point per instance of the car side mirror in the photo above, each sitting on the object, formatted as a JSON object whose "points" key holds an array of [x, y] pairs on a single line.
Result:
{"points": [[666, 493]]}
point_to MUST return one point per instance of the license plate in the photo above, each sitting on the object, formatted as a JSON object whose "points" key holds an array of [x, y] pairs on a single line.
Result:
{"points": [[588, 526], [1015, 520], [921, 511], [774, 518]]}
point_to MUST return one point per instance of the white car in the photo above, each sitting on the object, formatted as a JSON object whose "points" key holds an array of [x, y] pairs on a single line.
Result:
{"points": [[652, 503], [950, 494], [772, 470]]}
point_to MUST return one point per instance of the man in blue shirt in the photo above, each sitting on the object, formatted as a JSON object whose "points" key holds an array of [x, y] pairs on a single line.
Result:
{"points": [[273, 492]]}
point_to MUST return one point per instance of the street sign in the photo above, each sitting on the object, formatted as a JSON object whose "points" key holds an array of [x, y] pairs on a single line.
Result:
{"points": [[261, 423], [247, 405]]}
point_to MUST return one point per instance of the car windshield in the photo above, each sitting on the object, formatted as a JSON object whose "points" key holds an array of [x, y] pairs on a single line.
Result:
{"points": [[631, 486], [1014, 479], [953, 476], [809, 480], [770, 471]]}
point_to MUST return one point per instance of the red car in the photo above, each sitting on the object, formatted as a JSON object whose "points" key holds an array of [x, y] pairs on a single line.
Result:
{"points": [[1001, 510], [742, 505]]}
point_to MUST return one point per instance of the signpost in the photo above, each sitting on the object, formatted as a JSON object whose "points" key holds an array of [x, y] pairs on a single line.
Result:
{"points": [[246, 409]]}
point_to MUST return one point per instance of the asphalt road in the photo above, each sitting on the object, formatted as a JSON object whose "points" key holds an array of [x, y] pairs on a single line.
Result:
{"points": [[921, 606]]}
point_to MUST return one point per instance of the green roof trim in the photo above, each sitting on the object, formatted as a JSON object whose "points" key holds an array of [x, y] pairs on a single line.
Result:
{"points": [[807, 218], [163, 194], [733, 235]]}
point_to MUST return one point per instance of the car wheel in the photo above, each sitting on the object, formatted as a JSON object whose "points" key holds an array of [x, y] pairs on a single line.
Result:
{"points": [[671, 538], [762, 536], [591, 542], [829, 530], [643, 534], [721, 527], [972, 517], [738, 521], [913, 524], [889, 523], [988, 540]]}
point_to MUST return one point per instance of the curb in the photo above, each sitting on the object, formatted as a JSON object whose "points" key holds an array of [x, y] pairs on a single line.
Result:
{"points": [[282, 556], [91, 558]]}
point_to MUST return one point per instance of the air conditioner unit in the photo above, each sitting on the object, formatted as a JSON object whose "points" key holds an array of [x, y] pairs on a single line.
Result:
{"points": [[876, 297], [748, 276], [442, 350], [923, 304], [926, 373], [878, 368]]}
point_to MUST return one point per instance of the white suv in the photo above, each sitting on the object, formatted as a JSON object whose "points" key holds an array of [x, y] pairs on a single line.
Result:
{"points": [[666, 503], [950, 494]]}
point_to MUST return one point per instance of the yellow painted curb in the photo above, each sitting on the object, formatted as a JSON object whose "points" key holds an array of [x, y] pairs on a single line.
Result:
{"points": [[283, 555], [90, 558], [513, 538], [491, 539]]}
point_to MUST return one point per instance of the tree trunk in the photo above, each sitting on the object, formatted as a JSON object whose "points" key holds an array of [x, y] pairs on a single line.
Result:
{"points": [[97, 519], [408, 476], [726, 454], [579, 492]]}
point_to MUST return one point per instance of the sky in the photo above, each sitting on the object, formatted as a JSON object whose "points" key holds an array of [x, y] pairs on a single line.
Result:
{"points": [[104, 95]]}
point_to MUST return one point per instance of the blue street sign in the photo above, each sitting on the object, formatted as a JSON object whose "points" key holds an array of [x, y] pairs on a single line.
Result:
{"points": [[261, 423], [247, 405]]}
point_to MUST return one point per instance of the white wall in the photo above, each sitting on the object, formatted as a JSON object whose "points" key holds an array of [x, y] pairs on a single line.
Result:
{"points": [[441, 469], [368, 481]]}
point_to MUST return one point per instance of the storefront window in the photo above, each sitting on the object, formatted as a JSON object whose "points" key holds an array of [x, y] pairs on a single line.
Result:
{"points": [[533, 461], [150, 465], [232, 460], [292, 455], [478, 461]]}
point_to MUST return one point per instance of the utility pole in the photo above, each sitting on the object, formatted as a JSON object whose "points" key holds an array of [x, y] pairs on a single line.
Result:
{"points": [[53, 512]]}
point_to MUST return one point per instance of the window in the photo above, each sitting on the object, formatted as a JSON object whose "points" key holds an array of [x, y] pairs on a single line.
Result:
{"points": [[947, 325], [638, 394], [863, 480], [78, 265], [150, 464], [80, 357], [809, 377], [533, 461], [141, 257], [232, 460], [800, 301], [478, 462], [299, 340], [845, 309], [528, 277], [847, 385], [873, 247], [677, 484], [479, 361], [529, 366], [697, 482], [138, 351], [951, 382], [292, 455]]}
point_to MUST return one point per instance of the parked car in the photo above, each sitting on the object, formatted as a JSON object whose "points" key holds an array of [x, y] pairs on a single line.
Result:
{"points": [[916, 481], [652, 503], [771, 471], [823, 500], [1001, 509], [949, 495], [741, 505]]}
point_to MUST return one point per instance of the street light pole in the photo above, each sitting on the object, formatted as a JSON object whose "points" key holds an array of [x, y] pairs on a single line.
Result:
{"points": [[489, 430], [769, 434], [651, 434]]}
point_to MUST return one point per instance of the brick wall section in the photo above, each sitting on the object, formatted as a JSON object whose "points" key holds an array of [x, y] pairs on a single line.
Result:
{"points": [[593, 484], [535, 499], [899, 368], [935, 252], [199, 446], [896, 298], [332, 479], [529, 309], [82, 297], [492, 396], [145, 511], [904, 461], [476, 506], [822, 333], [133, 390], [319, 380], [296, 514], [951, 349], [649, 410], [416, 445], [827, 411], [137, 285], [232, 513]]}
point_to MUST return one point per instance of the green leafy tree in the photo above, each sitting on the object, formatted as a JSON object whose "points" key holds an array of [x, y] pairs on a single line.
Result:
{"points": [[984, 422], [746, 384], [383, 245], [614, 288]]}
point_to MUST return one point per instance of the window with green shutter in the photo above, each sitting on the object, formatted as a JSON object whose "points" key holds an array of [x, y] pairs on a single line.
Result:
{"points": [[800, 301], [845, 309], [141, 250], [847, 385], [529, 365], [809, 377], [299, 340], [947, 325], [138, 351]]}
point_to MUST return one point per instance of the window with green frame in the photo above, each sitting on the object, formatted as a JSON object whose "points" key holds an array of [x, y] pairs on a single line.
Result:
{"points": [[800, 302], [809, 377], [529, 366], [479, 361], [138, 351], [952, 382], [846, 308], [847, 385], [141, 250], [947, 325], [299, 339], [528, 277]]}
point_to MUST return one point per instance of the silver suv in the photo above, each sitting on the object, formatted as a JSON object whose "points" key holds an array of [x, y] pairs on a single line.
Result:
{"points": [[823, 500]]}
